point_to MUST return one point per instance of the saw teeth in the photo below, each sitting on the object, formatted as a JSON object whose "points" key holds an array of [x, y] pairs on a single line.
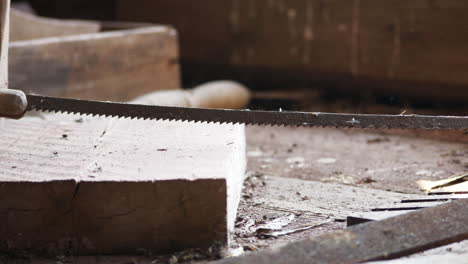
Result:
{"points": [[258, 118]]}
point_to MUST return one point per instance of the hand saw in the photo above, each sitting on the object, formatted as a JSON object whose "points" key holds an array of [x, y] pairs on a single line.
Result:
{"points": [[274, 118], [15, 103]]}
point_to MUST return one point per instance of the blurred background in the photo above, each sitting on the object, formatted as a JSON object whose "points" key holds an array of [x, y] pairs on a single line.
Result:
{"points": [[311, 54]]}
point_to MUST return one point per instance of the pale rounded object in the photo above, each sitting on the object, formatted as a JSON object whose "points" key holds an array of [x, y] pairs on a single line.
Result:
{"points": [[176, 98], [13, 103], [220, 94], [216, 94]]}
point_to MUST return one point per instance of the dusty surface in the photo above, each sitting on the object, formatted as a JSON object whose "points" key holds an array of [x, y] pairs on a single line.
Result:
{"points": [[341, 173], [321, 206], [356, 157], [71, 185], [319, 176]]}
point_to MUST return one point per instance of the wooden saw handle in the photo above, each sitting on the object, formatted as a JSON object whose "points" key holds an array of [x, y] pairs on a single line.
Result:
{"points": [[13, 103]]}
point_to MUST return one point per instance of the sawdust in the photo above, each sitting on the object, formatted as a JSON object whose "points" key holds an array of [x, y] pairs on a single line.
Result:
{"points": [[391, 161]]}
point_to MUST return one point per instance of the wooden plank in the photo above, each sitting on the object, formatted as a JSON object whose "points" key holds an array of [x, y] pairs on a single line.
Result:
{"points": [[117, 65], [74, 185], [391, 238], [405, 206], [26, 26], [392, 47]]}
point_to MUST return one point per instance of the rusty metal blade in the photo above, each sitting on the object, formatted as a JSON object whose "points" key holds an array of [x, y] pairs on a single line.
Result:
{"points": [[307, 119]]}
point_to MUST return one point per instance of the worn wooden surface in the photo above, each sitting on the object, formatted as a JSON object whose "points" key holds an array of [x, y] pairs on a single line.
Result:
{"points": [[74, 185], [353, 156], [393, 47], [117, 65], [26, 26], [266, 198], [391, 238]]}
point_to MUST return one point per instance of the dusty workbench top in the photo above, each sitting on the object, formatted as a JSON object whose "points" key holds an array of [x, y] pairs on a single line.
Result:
{"points": [[320, 175]]}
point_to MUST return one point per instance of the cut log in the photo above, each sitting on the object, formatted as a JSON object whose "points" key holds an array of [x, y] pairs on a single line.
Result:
{"points": [[115, 66], [97, 186]]}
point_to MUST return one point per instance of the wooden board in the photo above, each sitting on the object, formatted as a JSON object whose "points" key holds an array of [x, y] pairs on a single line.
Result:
{"points": [[116, 65], [74, 185], [332, 200], [26, 26], [395, 47]]}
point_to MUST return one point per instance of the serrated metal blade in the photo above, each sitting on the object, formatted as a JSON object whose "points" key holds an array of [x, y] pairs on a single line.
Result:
{"points": [[113, 109]]}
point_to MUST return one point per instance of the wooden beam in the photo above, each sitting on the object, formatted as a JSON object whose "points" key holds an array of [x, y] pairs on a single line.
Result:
{"points": [[80, 185], [26, 26], [116, 65]]}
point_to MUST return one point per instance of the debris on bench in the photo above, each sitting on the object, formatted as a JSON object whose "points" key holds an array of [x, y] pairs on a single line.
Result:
{"points": [[405, 206], [391, 238], [455, 184]]}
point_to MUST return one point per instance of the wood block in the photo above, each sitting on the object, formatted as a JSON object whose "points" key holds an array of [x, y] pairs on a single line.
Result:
{"points": [[116, 65], [72, 185], [26, 26], [392, 47]]}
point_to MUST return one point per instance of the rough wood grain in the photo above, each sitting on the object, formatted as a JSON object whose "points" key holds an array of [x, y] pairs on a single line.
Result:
{"points": [[72, 185], [392, 47], [332, 200], [117, 65]]}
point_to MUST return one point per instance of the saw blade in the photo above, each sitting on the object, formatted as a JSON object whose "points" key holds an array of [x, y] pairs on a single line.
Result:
{"points": [[248, 117]]}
